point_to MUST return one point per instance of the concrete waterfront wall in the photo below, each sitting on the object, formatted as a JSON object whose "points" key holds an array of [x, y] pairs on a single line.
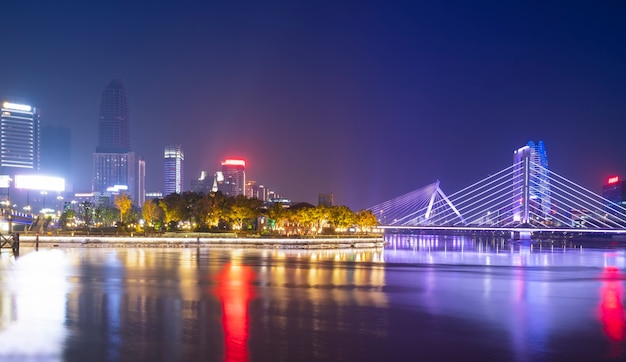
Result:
{"points": [[196, 241]]}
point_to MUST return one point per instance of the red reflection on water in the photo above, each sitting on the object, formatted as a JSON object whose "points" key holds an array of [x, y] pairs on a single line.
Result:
{"points": [[612, 309], [234, 290]]}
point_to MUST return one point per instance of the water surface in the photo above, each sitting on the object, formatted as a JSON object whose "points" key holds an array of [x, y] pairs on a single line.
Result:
{"points": [[419, 298]]}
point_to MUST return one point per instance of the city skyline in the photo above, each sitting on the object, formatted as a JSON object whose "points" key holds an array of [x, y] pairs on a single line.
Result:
{"points": [[365, 101]]}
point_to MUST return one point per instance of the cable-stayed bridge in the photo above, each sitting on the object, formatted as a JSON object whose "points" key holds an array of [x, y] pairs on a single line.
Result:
{"points": [[524, 197]]}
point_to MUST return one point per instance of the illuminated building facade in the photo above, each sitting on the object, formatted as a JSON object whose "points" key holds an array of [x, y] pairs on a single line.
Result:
{"points": [[19, 138], [173, 170], [531, 195], [141, 182], [114, 164], [115, 169], [234, 177], [614, 191], [256, 191]]}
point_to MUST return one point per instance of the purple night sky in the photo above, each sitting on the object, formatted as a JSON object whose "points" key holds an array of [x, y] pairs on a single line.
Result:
{"points": [[368, 100]]}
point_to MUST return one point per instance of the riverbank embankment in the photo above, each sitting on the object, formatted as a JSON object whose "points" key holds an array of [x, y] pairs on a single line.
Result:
{"points": [[191, 240]]}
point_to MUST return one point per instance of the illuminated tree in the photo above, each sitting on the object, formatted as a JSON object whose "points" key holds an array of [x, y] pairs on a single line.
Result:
{"points": [[275, 214], [218, 207], [151, 212], [366, 220], [341, 217], [242, 209], [124, 204]]}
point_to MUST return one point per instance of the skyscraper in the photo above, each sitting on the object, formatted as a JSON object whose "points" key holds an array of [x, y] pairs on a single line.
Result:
{"points": [[202, 184], [19, 138], [234, 173], [173, 170], [113, 127], [114, 164], [531, 194]]}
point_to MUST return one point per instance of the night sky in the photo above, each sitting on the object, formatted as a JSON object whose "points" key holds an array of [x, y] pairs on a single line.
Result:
{"points": [[368, 100]]}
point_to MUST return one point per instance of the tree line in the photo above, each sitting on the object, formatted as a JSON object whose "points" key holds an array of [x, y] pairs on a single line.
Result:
{"points": [[217, 212]]}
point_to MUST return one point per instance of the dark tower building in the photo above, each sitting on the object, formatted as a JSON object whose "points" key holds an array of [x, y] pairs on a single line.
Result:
{"points": [[114, 164], [113, 128]]}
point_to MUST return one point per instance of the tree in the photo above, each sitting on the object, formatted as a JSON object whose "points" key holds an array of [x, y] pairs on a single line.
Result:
{"points": [[151, 212], [123, 203], [67, 218], [173, 206], [202, 209], [243, 208], [275, 215], [218, 208], [366, 220], [85, 210], [341, 217]]}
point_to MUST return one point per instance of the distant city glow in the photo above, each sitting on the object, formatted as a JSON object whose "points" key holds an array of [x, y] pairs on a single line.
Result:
{"points": [[234, 162], [613, 180], [39, 182], [17, 107]]}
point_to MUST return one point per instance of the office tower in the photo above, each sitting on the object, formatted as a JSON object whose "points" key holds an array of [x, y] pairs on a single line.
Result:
{"points": [[115, 170], [19, 138], [614, 191], [113, 127], [173, 170], [234, 177], [141, 182], [56, 151], [202, 184], [531, 195], [114, 164]]}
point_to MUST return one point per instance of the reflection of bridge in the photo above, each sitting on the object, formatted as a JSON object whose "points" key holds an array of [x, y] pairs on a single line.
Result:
{"points": [[525, 197]]}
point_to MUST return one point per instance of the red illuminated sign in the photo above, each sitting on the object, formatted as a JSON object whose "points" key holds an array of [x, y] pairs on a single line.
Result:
{"points": [[613, 180], [232, 162]]}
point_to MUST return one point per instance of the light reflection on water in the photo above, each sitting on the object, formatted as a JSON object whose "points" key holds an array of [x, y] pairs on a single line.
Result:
{"points": [[412, 299]]}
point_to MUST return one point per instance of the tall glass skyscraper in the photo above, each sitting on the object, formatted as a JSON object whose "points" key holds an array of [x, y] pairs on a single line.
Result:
{"points": [[114, 164], [19, 138], [173, 170], [531, 195]]}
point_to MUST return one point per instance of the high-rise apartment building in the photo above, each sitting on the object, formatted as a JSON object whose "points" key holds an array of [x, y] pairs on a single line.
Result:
{"points": [[234, 177], [114, 164], [173, 170], [531, 195], [19, 138]]}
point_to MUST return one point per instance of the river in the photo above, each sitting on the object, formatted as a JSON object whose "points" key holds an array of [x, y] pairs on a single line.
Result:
{"points": [[427, 298]]}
